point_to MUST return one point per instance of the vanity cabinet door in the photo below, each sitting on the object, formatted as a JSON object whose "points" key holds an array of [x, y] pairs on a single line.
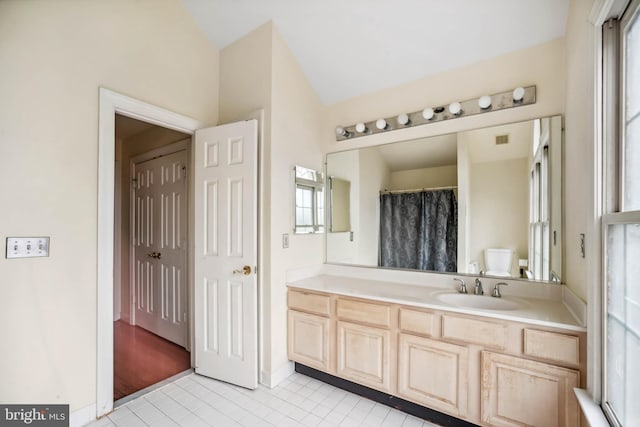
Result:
{"points": [[364, 355], [308, 339], [520, 392], [433, 374]]}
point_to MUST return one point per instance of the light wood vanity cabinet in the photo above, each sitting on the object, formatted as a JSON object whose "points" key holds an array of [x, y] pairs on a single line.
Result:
{"points": [[488, 371], [363, 354], [309, 334], [363, 347], [433, 373], [521, 392]]}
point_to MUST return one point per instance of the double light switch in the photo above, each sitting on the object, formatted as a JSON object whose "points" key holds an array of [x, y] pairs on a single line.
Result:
{"points": [[26, 247]]}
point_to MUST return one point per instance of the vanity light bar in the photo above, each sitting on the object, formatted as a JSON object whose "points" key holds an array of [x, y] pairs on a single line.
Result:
{"points": [[514, 98]]}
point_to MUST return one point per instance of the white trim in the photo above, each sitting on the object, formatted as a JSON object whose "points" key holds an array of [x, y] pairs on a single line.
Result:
{"points": [[82, 416], [184, 144], [590, 409], [594, 268], [111, 103], [258, 115], [272, 379], [602, 10]]}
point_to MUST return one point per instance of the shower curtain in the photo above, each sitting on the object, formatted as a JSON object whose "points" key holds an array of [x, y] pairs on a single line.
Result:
{"points": [[419, 230]]}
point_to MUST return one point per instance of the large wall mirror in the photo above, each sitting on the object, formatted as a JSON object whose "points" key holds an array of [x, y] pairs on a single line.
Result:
{"points": [[479, 202]]}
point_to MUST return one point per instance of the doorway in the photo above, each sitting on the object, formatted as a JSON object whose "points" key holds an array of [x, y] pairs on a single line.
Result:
{"points": [[210, 169], [151, 315]]}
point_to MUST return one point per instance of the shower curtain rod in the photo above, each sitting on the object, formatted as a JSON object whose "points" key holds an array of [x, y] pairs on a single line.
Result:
{"points": [[415, 190]]}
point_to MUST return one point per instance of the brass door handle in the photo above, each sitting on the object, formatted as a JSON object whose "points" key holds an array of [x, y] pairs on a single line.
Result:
{"points": [[156, 255], [246, 270]]}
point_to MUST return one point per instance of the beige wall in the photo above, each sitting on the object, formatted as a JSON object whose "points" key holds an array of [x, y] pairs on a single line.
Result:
{"points": [[498, 208], [374, 176], [295, 141], [55, 56], [579, 136], [542, 65], [259, 72], [440, 176]]}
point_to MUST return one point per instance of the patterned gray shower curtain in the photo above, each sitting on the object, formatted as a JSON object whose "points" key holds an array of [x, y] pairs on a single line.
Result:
{"points": [[419, 230]]}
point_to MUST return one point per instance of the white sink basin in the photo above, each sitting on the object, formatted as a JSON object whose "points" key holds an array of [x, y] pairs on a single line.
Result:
{"points": [[477, 301]]}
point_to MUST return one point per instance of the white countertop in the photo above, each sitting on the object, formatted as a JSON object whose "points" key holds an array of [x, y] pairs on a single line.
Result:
{"points": [[545, 312]]}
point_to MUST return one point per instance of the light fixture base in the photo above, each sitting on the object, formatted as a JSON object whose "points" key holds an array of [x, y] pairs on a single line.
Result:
{"points": [[499, 101]]}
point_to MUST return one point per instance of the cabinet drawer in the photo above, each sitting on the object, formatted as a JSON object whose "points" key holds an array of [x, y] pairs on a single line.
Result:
{"points": [[552, 346], [307, 301], [473, 331], [418, 322], [364, 312]]}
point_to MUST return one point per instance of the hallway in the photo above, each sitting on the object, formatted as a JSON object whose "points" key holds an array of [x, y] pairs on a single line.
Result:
{"points": [[142, 359]]}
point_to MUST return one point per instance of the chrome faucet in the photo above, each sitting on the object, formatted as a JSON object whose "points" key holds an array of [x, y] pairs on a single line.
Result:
{"points": [[463, 286], [478, 290], [496, 289]]}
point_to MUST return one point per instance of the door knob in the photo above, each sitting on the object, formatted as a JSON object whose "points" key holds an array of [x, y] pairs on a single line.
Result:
{"points": [[246, 270]]}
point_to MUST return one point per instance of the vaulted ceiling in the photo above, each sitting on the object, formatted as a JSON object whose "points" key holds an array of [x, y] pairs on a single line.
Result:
{"points": [[348, 48]]}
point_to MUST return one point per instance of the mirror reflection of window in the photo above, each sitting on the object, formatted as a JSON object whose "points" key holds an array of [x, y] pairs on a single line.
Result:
{"points": [[540, 242], [309, 201]]}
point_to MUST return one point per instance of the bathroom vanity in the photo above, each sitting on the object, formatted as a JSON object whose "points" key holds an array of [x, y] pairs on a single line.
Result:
{"points": [[509, 361]]}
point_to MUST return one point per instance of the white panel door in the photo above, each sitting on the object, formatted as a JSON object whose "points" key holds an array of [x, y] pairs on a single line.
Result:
{"points": [[226, 323], [160, 246]]}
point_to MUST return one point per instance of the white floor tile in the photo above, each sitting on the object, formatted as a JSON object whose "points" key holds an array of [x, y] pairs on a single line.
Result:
{"points": [[196, 401]]}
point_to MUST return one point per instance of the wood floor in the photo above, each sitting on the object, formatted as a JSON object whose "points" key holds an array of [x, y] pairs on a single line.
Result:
{"points": [[142, 359]]}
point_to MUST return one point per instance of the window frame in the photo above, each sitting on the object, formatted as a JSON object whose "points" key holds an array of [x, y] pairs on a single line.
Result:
{"points": [[613, 79]]}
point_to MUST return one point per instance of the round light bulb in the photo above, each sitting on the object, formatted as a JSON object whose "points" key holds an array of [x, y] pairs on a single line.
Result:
{"points": [[340, 131], [361, 128], [455, 108], [403, 119], [484, 102], [518, 94], [428, 113], [381, 124]]}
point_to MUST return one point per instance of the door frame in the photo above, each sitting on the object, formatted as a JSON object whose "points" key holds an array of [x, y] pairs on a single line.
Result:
{"points": [[182, 145], [110, 103]]}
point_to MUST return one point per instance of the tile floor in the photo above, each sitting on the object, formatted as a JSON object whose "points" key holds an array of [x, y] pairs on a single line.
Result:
{"points": [[298, 401]]}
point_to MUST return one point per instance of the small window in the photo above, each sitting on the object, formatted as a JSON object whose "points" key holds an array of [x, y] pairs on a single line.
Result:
{"points": [[309, 201]]}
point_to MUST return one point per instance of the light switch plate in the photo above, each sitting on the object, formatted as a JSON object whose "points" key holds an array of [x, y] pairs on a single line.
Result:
{"points": [[27, 247], [285, 241]]}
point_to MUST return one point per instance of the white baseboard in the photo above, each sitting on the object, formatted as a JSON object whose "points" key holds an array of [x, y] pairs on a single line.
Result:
{"points": [[83, 416], [272, 379], [125, 317]]}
